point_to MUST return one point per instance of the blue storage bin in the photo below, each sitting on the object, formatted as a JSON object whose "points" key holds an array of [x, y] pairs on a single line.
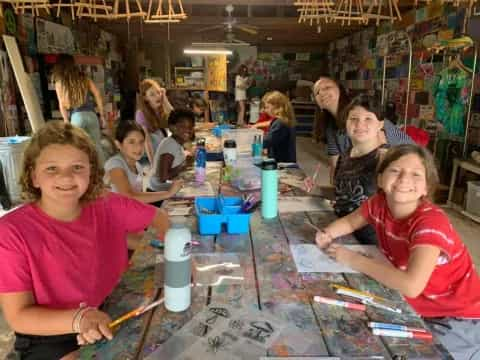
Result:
{"points": [[208, 224], [238, 222], [228, 211], [218, 130]]}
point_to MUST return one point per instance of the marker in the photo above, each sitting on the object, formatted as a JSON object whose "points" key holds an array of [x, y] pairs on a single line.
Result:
{"points": [[358, 292], [345, 304], [379, 325], [403, 334]]}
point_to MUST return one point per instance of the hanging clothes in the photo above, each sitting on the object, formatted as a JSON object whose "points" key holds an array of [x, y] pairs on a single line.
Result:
{"points": [[450, 92]]}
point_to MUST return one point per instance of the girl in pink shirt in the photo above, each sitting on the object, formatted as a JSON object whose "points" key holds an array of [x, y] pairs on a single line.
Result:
{"points": [[64, 251], [428, 262]]}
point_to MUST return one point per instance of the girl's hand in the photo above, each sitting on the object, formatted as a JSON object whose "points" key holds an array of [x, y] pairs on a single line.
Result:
{"points": [[308, 183], [93, 327], [323, 239], [176, 186], [340, 253]]}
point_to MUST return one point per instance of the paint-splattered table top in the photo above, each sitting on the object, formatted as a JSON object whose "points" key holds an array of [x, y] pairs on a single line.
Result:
{"points": [[266, 280]]}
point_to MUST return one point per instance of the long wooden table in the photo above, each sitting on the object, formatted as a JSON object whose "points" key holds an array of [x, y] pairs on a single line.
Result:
{"points": [[271, 284]]}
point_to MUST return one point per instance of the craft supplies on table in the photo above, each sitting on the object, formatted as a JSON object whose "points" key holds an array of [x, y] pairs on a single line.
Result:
{"points": [[213, 212]]}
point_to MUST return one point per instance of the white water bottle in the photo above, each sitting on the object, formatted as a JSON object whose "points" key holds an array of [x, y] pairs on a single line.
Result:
{"points": [[178, 267]]}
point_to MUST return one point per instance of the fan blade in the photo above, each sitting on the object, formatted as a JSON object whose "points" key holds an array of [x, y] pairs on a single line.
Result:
{"points": [[248, 30], [209, 28]]}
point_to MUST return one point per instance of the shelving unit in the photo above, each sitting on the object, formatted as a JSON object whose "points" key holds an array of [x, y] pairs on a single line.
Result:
{"points": [[184, 78], [305, 116]]}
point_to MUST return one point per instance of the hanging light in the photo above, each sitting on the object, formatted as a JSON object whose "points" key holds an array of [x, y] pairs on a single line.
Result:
{"points": [[314, 11], [375, 11], [166, 12], [93, 9]]}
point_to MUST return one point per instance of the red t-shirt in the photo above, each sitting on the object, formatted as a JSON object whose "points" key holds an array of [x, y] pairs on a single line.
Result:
{"points": [[454, 286], [264, 117], [63, 263]]}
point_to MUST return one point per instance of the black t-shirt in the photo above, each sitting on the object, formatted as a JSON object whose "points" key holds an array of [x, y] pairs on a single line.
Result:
{"points": [[355, 180]]}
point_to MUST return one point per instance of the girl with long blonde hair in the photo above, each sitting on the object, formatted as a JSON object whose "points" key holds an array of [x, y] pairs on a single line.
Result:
{"points": [[152, 113], [74, 93], [280, 141]]}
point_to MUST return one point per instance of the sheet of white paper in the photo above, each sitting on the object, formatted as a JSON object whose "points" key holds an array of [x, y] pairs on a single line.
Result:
{"points": [[288, 204], [309, 258]]}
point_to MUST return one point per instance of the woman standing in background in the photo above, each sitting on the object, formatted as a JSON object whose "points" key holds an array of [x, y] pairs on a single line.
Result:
{"points": [[74, 93], [242, 83]]}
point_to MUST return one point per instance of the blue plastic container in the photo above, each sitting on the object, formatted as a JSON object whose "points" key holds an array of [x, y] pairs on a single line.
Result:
{"points": [[224, 210], [208, 223], [219, 129]]}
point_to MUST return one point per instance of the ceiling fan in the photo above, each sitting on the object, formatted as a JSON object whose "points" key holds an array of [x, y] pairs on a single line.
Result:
{"points": [[229, 24]]}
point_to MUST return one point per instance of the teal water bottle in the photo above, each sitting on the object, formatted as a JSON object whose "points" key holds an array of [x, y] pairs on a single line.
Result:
{"points": [[269, 189]]}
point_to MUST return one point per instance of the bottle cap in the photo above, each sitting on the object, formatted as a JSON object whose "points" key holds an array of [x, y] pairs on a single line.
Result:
{"points": [[201, 141], [230, 144], [269, 164]]}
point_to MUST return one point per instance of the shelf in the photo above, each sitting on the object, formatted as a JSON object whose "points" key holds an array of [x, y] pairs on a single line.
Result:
{"points": [[195, 68]]}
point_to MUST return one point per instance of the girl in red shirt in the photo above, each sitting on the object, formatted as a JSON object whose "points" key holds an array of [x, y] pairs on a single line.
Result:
{"points": [[429, 264]]}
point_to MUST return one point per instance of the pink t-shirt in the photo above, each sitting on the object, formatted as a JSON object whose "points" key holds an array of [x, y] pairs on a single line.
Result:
{"points": [[67, 263]]}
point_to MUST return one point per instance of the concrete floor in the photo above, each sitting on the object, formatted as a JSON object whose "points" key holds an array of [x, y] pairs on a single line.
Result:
{"points": [[308, 155]]}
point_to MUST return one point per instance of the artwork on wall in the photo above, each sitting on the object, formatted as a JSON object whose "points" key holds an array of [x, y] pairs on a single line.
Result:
{"points": [[27, 89]]}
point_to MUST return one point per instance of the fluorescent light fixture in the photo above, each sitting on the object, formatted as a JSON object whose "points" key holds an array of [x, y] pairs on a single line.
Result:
{"points": [[207, 51]]}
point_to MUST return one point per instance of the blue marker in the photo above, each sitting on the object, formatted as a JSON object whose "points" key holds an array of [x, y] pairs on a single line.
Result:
{"points": [[379, 325]]}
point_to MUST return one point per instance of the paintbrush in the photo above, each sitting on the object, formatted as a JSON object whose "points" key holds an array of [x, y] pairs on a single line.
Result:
{"points": [[134, 313]]}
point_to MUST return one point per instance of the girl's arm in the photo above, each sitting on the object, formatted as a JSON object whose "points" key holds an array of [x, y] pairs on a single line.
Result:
{"points": [[262, 125], [167, 106], [343, 226], [166, 171], [161, 223], [409, 282], [24, 316], [98, 99], [120, 180], [63, 109]]}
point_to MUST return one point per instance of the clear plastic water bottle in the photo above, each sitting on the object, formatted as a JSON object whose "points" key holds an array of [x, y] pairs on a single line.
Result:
{"points": [[200, 161]]}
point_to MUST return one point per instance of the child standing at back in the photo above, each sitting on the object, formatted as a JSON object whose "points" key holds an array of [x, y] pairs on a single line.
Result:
{"points": [[64, 251], [428, 263], [280, 140], [170, 158]]}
